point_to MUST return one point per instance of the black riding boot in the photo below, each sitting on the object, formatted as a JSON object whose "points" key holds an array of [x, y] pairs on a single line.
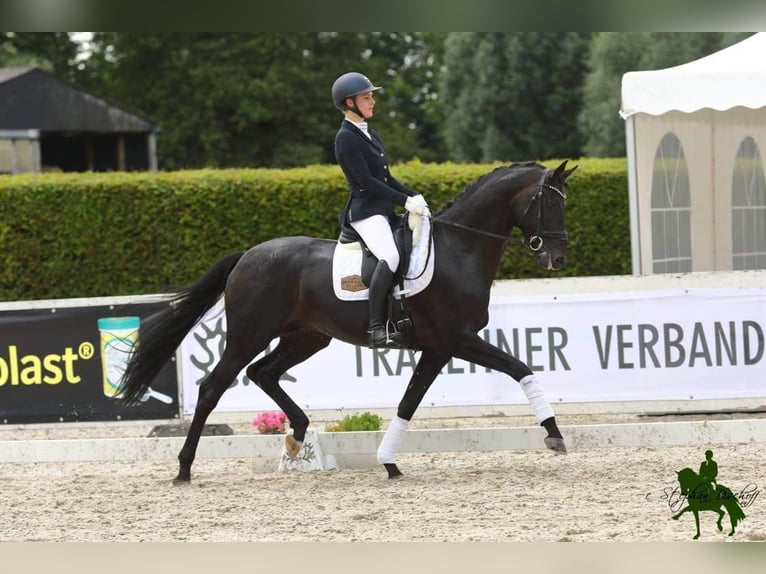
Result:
{"points": [[380, 286]]}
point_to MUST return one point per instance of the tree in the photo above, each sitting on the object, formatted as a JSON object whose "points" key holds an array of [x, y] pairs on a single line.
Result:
{"points": [[461, 133], [513, 96], [221, 99], [612, 55], [410, 100], [255, 99], [52, 51]]}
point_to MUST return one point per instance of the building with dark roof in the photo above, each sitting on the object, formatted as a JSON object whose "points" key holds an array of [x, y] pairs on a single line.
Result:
{"points": [[48, 124]]}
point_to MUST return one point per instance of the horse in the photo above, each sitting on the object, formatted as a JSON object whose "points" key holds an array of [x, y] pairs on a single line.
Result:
{"points": [[700, 495], [283, 288]]}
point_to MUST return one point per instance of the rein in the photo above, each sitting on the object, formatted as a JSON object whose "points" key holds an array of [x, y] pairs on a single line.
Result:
{"points": [[477, 231], [533, 242]]}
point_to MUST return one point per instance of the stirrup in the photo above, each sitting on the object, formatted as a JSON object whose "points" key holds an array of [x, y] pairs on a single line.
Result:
{"points": [[381, 337]]}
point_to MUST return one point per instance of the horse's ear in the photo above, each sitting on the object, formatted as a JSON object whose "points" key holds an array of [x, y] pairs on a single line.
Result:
{"points": [[562, 173], [569, 172]]}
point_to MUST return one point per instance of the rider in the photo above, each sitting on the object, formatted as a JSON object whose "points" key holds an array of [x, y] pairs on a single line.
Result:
{"points": [[373, 193], [709, 470]]}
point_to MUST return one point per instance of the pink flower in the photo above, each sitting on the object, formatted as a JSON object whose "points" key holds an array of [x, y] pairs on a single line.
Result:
{"points": [[270, 422]]}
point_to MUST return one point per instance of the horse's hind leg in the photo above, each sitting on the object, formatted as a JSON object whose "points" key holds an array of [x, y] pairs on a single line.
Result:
{"points": [[426, 370], [210, 391], [720, 519], [294, 348]]}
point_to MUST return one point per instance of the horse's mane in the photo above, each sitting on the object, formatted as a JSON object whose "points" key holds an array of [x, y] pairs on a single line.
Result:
{"points": [[513, 170], [687, 478]]}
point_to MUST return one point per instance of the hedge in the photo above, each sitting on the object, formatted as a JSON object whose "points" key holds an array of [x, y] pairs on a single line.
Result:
{"points": [[101, 234]]}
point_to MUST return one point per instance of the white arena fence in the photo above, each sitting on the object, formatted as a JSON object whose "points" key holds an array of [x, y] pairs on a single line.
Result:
{"points": [[358, 449]]}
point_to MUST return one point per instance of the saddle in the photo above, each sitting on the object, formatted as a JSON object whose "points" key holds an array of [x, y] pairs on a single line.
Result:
{"points": [[402, 239], [354, 264]]}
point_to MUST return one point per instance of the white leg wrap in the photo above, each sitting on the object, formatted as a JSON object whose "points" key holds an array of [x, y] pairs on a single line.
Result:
{"points": [[536, 398], [392, 440]]}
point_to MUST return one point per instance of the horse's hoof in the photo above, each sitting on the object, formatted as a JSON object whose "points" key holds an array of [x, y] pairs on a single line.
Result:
{"points": [[393, 470], [292, 446], [179, 481], [556, 444], [695, 538], [675, 517]]}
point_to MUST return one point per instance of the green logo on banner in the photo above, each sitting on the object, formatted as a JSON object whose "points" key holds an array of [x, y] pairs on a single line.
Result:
{"points": [[701, 491]]}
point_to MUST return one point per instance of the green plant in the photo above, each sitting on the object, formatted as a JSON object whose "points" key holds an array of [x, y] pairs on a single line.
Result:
{"points": [[364, 422]]}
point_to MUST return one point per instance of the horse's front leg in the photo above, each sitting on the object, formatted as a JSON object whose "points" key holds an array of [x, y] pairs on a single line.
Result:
{"points": [[677, 516], [426, 371], [696, 522], [476, 350]]}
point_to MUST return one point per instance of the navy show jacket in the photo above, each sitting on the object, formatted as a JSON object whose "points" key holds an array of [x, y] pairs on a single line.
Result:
{"points": [[373, 190]]}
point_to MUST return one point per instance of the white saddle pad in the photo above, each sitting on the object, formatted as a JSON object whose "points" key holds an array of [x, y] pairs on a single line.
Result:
{"points": [[347, 269]]}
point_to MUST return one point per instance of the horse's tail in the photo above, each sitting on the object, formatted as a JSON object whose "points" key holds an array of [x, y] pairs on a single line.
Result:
{"points": [[736, 514], [161, 334]]}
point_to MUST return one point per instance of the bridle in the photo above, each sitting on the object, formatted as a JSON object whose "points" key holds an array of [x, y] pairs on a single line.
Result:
{"points": [[535, 241]]}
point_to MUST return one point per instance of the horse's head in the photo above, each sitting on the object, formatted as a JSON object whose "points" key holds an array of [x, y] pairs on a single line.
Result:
{"points": [[541, 217], [687, 479]]}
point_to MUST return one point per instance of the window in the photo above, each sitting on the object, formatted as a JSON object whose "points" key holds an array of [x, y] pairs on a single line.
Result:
{"points": [[748, 209], [671, 206]]}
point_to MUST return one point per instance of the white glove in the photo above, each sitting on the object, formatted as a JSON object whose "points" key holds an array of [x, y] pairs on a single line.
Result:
{"points": [[415, 223], [417, 204]]}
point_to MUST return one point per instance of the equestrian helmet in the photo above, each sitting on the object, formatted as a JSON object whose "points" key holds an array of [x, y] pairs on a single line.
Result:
{"points": [[349, 85]]}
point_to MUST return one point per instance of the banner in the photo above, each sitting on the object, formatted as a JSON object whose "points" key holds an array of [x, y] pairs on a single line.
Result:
{"points": [[61, 364], [654, 345]]}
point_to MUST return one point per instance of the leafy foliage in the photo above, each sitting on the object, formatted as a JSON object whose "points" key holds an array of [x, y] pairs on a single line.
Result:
{"points": [[52, 51], [262, 99], [88, 235], [238, 100], [512, 95], [363, 422]]}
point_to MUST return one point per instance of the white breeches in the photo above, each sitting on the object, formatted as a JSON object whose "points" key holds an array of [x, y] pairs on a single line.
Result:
{"points": [[377, 234]]}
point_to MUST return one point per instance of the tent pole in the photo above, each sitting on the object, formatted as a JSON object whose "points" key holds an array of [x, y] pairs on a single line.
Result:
{"points": [[635, 234]]}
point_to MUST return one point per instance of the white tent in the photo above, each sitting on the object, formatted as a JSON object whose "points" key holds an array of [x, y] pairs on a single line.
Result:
{"points": [[689, 130], [724, 80]]}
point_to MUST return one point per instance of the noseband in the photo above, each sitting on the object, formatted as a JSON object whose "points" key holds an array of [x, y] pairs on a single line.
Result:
{"points": [[535, 241]]}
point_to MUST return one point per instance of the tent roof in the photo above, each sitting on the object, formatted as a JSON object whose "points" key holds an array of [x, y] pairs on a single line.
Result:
{"points": [[734, 76]]}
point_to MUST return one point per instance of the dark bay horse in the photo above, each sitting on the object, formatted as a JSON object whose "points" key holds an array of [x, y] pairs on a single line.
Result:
{"points": [[700, 495], [283, 288]]}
